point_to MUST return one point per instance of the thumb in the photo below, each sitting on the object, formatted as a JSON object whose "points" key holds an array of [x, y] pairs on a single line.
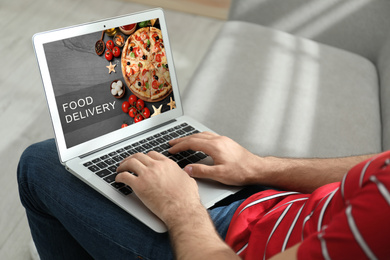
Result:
{"points": [[125, 177], [199, 170]]}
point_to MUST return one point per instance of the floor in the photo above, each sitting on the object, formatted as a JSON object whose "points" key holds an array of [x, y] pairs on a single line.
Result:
{"points": [[26, 120], [212, 8]]}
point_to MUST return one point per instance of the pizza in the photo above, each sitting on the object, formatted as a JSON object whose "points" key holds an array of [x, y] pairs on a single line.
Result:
{"points": [[144, 65]]}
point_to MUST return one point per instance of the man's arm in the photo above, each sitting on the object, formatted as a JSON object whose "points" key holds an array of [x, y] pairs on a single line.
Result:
{"points": [[289, 254], [192, 232], [193, 236], [306, 175], [173, 196], [234, 165]]}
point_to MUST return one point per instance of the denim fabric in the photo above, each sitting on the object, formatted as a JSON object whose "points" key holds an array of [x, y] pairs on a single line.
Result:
{"points": [[70, 220]]}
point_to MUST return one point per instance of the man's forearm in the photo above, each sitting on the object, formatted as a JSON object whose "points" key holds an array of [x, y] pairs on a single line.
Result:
{"points": [[193, 236], [305, 175], [173, 196]]}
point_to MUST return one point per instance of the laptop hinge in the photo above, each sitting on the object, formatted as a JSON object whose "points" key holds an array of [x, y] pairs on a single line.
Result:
{"points": [[127, 138]]}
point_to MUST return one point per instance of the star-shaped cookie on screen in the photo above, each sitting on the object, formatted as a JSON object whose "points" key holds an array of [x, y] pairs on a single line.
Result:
{"points": [[172, 104], [111, 68], [157, 111]]}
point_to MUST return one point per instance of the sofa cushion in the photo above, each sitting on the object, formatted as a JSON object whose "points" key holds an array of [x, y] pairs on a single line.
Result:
{"points": [[277, 94], [384, 74], [357, 26]]}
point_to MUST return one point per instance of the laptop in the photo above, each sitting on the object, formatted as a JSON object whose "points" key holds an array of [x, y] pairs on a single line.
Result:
{"points": [[107, 105]]}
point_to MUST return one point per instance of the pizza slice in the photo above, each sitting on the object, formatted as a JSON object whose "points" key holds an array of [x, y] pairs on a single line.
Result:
{"points": [[155, 37], [140, 90], [163, 71], [131, 50], [160, 86], [146, 76], [131, 70], [142, 40], [157, 46], [142, 84]]}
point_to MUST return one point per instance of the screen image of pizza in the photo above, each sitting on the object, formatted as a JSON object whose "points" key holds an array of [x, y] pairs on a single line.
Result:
{"points": [[144, 65]]}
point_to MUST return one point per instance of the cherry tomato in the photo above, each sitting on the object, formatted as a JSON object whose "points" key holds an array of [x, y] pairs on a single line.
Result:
{"points": [[124, 125], [110, 44], [116, 51], [132, 100], [140, 104], [132, 112], [108, 55], [125, 107], [146, 112], [138, 118]]}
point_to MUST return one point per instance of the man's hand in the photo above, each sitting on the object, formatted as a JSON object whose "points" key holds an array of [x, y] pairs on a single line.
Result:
{"points": [[173, 196], [233, 164], [160, 184]]}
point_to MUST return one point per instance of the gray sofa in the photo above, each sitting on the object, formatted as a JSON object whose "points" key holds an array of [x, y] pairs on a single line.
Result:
{"points": [[298, 78]]}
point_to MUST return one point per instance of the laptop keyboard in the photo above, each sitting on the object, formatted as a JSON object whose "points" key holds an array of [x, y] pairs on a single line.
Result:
{"points": [[105, 166]]}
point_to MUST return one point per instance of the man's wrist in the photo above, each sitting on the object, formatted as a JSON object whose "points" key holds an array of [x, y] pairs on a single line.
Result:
{"points": [[189, 214], [193, 235], [261, 170]]}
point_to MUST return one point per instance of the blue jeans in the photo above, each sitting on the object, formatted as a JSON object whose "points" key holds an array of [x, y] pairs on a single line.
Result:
{"points": [[70, 220]]}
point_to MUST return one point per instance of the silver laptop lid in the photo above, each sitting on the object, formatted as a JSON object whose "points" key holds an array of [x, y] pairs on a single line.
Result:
{"points": [[84, 104]]}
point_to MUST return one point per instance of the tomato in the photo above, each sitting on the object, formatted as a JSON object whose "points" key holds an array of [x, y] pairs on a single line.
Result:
{"points": [[146, 112], [155, 84], [116, 51], [132, 100], [108, 55], [138, 118], [140, 104], [158, 57], [132, 112], [125, 107], [110, 44], [134, 52], [124, 125]]}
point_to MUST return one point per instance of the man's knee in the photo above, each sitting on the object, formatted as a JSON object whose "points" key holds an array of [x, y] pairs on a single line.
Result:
{"points": [[36, 156]]}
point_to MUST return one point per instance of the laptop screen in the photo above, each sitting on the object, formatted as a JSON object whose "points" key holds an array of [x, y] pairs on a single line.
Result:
{"points": [[108, 80]]}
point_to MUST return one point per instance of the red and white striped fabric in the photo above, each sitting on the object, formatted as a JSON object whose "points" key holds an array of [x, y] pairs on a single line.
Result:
{"points": [[345, 220]]}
